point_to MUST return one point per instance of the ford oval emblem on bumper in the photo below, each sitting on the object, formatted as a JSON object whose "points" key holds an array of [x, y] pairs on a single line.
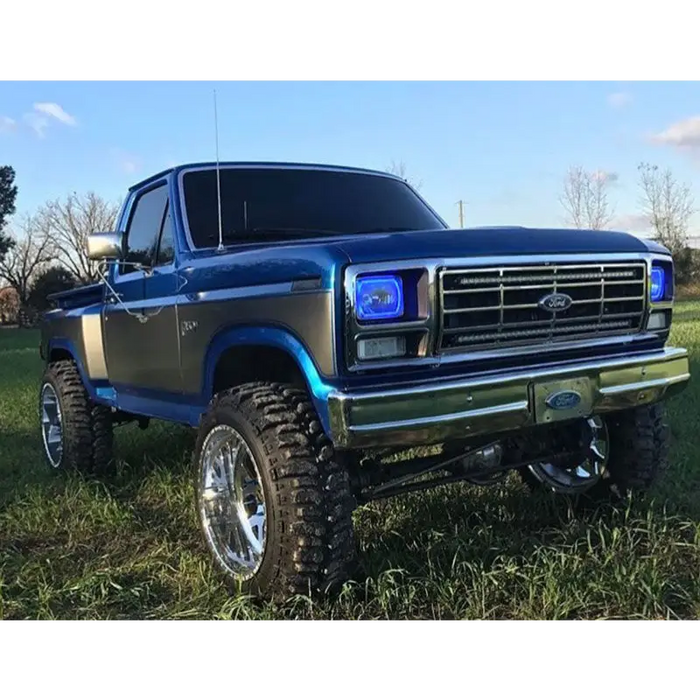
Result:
{"points": [[563, 400], [555, 302]]}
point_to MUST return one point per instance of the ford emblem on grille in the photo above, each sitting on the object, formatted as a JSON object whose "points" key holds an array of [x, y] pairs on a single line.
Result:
{"points": [[563, 400], [555, 302]]}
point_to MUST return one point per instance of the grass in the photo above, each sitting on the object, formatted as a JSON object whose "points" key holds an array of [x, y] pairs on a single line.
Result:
{"points": [[688, 292], [75, 548]]}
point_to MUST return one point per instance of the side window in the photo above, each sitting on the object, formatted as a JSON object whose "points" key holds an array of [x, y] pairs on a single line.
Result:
{"points": [[144, 227], [166, 248]]}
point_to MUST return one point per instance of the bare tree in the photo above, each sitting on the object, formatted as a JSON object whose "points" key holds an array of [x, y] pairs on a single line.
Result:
{"points": [[9, 305], [667, 203], [585, 198], [27, 257], [399, 169], [68, 224]]}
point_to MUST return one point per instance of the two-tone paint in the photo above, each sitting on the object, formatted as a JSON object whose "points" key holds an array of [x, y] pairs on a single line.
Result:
{"points": [[149, 343]]}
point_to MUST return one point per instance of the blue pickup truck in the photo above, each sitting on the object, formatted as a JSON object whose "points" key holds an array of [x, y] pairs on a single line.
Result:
{"points": [[316, 323]]}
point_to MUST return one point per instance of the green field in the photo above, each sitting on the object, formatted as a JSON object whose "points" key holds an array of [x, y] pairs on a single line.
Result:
{"points": [[129, 548]]}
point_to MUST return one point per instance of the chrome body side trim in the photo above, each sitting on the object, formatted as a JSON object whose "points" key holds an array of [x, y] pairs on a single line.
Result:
{"points": [[439, 412]]}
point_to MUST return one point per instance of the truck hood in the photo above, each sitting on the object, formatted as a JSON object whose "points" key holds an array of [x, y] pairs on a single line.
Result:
{"points": [[485, 242], [321, 258]]}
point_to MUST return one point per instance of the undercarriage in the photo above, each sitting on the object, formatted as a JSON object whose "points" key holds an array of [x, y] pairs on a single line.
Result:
{"points": [[569, 457]]}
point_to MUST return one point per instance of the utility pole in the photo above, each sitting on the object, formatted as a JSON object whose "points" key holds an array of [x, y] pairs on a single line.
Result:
{"points": [[461, 213]]}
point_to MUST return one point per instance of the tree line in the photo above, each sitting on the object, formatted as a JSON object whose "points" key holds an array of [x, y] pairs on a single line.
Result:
{"points": [[666, 206], [46, 252]]}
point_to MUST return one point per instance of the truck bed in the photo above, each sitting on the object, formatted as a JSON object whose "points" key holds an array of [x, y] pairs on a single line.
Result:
{"points": [[78, 297]]}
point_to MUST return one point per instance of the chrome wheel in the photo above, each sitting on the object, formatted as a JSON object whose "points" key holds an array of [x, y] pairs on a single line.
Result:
{"points": [[231, 502], [51, 425], [584, 474]]}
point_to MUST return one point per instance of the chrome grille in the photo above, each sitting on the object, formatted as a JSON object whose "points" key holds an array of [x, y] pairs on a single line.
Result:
{"points": [[500, 307]]}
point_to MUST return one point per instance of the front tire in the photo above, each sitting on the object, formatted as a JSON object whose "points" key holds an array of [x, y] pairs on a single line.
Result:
{"points": [[273, 504], [76, 432]]}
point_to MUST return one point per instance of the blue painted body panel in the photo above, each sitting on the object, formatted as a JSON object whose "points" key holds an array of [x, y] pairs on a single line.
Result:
{"points": [[270, 269], [485, 242], [277, 338], [75, 298]]}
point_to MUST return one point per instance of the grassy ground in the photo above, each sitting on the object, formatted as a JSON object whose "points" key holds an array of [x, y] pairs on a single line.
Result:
{"points": [[71, 548]]}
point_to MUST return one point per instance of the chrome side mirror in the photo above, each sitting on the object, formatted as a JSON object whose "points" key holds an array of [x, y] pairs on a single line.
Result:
{"points": [[105, 246]]}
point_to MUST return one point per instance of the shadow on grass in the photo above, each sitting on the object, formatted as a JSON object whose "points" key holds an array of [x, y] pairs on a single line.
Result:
{"points": [[21, 464], [129, 547], [680, 315], [475, 520]]}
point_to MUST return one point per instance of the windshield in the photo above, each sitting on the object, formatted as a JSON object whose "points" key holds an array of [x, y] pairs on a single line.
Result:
{"points": [[278, 204]]}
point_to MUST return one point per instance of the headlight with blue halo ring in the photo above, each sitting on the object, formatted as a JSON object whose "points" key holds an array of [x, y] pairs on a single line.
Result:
{"points": [[379, 297], [657, 289]]}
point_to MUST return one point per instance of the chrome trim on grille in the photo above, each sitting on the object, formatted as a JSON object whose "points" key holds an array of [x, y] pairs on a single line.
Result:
{"points": [[432, 357], [503, 306]]}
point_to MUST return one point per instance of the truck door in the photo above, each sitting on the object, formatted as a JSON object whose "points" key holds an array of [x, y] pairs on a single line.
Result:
{"points": [[140, 327]]}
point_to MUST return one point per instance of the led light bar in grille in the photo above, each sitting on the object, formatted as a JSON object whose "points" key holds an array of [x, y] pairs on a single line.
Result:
{"points": [[498, 307]]}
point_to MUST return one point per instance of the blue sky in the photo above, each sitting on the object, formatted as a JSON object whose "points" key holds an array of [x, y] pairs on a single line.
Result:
{"points": [[502, 147]]}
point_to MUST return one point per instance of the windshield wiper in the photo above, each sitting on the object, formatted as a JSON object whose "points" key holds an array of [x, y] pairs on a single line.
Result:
{"points": [[267, 233]]}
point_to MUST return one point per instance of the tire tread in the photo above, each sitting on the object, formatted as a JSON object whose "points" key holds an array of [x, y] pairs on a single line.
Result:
{"points": [[314, 542], [87, 426], [639, 447]]}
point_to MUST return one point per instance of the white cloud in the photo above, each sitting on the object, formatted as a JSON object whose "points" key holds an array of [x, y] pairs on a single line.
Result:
{"points": [[7, 124], [56, 111], [633, 223], [129, 166], [38, 122], [43, 113], [606, 176], [618, 100], [126, 162], [684, 135]]}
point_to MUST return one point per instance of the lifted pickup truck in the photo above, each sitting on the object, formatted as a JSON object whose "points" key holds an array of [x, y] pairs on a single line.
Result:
{"points": [[314, 322]]}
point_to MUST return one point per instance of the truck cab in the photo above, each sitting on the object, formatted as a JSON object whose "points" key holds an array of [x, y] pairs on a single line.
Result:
{"points": [[304, 317]]}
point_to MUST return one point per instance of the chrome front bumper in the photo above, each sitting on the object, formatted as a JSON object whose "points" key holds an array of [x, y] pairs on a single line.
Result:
{"points": [[439, 412]]}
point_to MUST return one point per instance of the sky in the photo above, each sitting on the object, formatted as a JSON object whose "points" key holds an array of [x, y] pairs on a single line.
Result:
{"points": [[501, 147]]}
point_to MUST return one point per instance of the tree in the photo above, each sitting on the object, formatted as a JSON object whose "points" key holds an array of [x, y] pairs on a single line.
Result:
{"points": [[69, 222], [8, 195], [9, 305], [51, 281], [26, 258], [668, 205], [399, 169], [585, 198]]}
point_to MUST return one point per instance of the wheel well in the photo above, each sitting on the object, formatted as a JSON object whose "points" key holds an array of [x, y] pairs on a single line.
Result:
{"points": [[253, 363], [58, 354]]}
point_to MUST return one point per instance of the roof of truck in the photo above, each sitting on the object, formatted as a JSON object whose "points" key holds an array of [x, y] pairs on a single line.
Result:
{"points": [[257, 164]]}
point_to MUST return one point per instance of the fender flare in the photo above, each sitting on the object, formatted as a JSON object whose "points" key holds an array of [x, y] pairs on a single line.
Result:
{"points": [[69, 347], [273, 337]]}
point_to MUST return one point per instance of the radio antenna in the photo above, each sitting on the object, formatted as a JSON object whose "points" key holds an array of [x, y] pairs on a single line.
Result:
{"points": [[218, 176]]}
